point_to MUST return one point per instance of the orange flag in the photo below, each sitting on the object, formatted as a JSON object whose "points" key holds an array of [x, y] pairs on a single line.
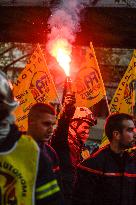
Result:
{"points": [[124, 97], [88, 86], [34, 84]]}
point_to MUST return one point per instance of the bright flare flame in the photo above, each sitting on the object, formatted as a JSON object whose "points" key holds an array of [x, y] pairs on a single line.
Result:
{"points": [[64, 60], [61, 50]]}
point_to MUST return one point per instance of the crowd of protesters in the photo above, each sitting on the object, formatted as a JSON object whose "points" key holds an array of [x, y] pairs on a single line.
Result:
{"points": [[54, 166]]}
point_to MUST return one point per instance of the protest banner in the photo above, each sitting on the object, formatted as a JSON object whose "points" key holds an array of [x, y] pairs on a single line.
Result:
{"points": [[34, 84]]}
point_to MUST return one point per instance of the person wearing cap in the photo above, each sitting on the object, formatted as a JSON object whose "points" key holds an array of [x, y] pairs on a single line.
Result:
{"points": [[79, 129], [108, 177], [69, 140], [26, 176]]}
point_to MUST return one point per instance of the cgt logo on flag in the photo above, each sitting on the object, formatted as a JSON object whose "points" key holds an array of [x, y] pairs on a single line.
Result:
{"points": [[88, 85], [39, 86], [34, 84]]}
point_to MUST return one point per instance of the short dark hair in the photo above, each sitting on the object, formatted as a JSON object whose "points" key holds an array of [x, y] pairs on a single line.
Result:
{"points": [[38, 109], [114, 123]]}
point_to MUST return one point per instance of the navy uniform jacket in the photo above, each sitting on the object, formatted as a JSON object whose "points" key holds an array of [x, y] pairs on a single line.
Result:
{"points": [[106, 178], [51, 155]]}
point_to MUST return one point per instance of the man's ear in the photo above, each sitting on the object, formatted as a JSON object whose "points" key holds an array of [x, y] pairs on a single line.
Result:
{"points": [[31, 122], [116, 135]]}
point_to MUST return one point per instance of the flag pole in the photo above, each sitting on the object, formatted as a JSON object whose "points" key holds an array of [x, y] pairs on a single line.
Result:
{"points": [[106, 99], [133, 97], [132, 100]]}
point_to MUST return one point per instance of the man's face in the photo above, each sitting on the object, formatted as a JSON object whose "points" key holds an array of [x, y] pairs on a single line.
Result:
{"points": [[83, 131], [127, 135], [43, 127]]}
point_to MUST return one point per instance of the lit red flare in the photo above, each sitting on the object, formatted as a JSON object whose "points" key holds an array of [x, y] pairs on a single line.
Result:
{"points": [[61, 50]]}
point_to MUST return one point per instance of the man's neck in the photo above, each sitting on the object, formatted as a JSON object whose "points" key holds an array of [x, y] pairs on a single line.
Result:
{"points": [[116, 148]]}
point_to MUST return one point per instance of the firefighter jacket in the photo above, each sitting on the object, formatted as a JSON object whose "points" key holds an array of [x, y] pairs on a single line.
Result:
{"points": [[61, 146], [69, 149], [25, 176], [50, 154], [106, 178]]}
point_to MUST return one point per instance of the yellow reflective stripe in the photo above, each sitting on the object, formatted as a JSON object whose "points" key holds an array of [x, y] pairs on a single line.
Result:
{"points": [[46, 186], [47, 189], [44, 195]]}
